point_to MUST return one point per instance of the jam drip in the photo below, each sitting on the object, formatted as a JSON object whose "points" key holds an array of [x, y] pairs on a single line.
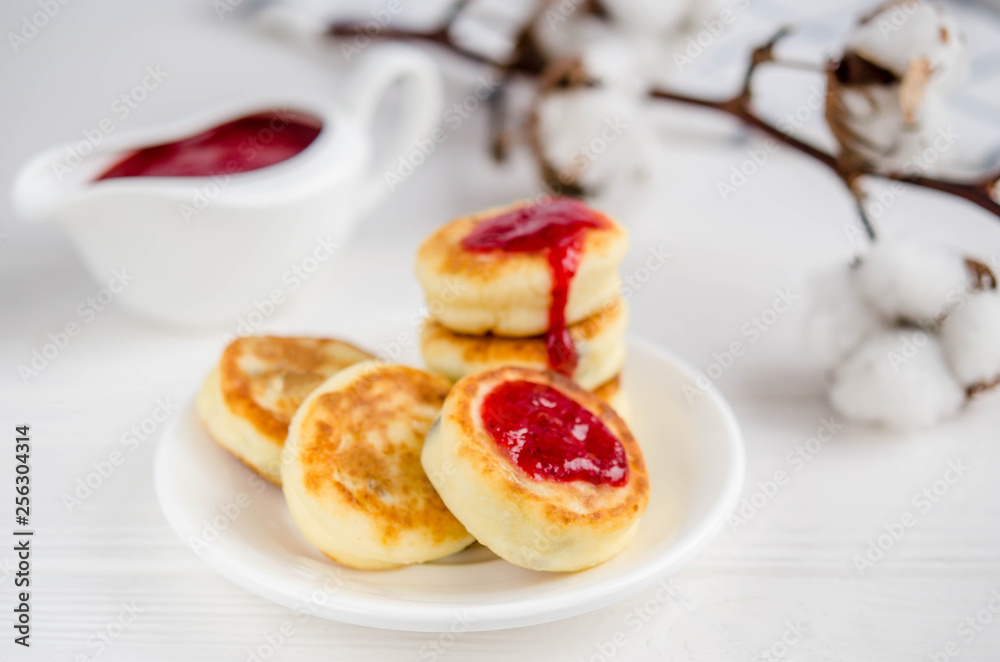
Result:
{"points": [[556, 225], [551, 437], [244, 144]]}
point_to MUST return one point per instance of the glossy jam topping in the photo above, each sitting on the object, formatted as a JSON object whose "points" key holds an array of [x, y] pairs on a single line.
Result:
{"points": [[551, 437], [556, 225], [244, 144]]}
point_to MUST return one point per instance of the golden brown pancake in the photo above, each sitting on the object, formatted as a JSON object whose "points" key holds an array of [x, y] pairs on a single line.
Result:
{"points": [[247, 401], [599, 341], [538, 523], [507, 293], [351, 469]]}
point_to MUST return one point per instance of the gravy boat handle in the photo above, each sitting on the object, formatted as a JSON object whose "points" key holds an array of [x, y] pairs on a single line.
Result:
{"points": [[418, 116]]}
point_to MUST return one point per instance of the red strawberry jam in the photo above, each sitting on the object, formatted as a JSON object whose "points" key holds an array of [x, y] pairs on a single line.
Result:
{"points": [[244, 144], [549, 436], [555, 225]]}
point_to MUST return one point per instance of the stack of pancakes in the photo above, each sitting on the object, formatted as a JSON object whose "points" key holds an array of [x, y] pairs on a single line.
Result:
{"points": [[492, 309]]}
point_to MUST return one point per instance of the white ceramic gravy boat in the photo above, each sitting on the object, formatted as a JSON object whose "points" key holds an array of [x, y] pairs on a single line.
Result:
{"points": [[209, 250]]}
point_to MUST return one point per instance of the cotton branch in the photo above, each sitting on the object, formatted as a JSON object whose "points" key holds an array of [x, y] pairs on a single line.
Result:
{"points": [[526, 60]]}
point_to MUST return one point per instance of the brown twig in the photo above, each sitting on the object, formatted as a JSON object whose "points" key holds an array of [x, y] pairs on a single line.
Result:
{"points": [[981, 387], [977, 192], [739, 108], [761, 55], [439, 36], [521, 60]]}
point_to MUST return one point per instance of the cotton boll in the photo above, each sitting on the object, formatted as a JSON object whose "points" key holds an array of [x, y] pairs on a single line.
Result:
{"points": [[910, 281], [886, 101], [898, 379], [881, 134], [908, 30], [594, 136], [971, 339], [838, 318], [884, 129]]}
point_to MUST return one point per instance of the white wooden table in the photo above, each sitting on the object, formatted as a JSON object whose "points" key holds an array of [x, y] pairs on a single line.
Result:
{"points": [[786, 581]]}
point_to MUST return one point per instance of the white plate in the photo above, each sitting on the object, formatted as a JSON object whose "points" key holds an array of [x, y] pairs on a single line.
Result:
{"points": [[240, 526]]}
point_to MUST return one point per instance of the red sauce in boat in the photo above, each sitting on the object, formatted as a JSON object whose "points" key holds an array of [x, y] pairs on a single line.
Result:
{"points": [[555, 225], [549, 436], [244, 144]]}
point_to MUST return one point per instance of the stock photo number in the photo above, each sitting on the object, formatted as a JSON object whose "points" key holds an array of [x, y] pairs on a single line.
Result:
{"points": [[22, 535]]}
